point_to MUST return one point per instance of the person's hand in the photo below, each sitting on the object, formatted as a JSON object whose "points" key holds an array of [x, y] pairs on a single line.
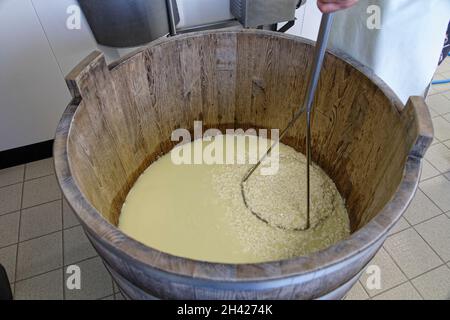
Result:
{"points": [[327, 6]]}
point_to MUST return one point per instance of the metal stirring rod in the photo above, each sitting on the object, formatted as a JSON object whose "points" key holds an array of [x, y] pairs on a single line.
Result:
{"points": [[319, 53]]}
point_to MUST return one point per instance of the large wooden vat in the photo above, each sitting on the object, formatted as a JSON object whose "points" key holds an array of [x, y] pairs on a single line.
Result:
{"points": [[122, 116]]}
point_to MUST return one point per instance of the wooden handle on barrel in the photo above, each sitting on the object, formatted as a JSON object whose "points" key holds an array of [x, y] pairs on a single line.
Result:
{"points": [[76, 77], [422, 131]]}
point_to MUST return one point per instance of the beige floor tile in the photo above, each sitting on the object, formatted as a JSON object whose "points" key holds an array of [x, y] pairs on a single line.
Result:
{"points": [[433, 113], [401, 225], [357, 293], [39, 169], [10, 198], [411, 253], [96, 282], [439, 88], [9, 228], [39, 255], [447, 117], [390, 274], [435, 284], [441, 128], [439, 103], [420, 209], [403, 292], [8, 260], [11, 175], [439, 156], [445, 66], [41, 220], [40, 190], [435, 141], [48, 286], [438, 190], [77, 246], [428, 171], [69, 218], [436, 233]]}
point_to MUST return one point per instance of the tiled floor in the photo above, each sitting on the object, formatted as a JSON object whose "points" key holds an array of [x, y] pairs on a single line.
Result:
{"points": [[40, 236], [415, 259]]}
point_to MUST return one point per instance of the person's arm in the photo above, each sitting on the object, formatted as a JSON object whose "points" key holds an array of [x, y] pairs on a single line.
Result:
{"points": [[327, 6]]}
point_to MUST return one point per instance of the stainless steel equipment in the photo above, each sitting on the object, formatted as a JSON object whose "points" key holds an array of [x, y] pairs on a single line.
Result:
{"points": [[255, 13], [321, 46], [124, 23]]}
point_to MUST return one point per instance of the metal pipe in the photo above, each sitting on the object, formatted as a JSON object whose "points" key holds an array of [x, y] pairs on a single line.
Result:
{"points": [[319, 54], [171, 18]]}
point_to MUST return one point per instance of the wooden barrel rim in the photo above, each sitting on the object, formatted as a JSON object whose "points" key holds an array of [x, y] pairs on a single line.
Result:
{"points": [[373, 232]]}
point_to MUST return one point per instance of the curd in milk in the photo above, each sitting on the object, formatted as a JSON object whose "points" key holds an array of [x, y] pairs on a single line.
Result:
{"points": [[197, 211]]}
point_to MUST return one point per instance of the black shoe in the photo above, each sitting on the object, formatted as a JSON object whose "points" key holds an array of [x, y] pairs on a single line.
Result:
{"points": [[5, 288]]}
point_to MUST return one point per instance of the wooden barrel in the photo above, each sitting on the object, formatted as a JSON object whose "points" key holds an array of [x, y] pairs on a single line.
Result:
{"points": [[122, 116]]}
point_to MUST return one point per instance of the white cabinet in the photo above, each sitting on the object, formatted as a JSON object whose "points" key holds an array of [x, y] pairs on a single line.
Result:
{"points": [[37, 50], [32, 89]]}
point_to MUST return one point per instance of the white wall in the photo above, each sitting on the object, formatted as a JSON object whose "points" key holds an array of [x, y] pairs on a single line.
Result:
{"points": [[37, 51], [32, 88]]}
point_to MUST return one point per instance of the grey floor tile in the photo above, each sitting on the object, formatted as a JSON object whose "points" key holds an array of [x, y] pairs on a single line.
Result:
{"points": [[441, 128], [390, 274], [40, 190], [39, 169], [11, 175], [10, 198], [411, 253], [435, 284], [357, 293], [403, 292], [437, 189], [69, 218], [9, 229], [439, 103], [428, 171], [439, 156], [8, 260], [436, 233], [41, 220], [116, 287], [48, 286], [119, 296], [401, 225], [421, 209], [39, 255], [95, 281], [111, 297], [77, 246]]}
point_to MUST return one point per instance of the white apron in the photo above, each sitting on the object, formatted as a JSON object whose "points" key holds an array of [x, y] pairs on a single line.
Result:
{"points": [[406, 50]]}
